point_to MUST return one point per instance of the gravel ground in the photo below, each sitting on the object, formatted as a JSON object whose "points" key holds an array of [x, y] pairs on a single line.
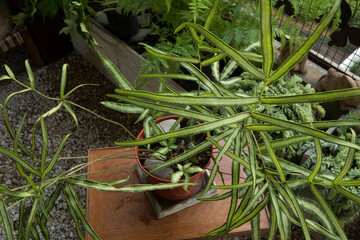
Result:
{"points": [[91, 133]]}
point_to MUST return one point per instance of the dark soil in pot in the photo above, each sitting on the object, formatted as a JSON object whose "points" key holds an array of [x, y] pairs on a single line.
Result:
{"points": [[200, 159]]}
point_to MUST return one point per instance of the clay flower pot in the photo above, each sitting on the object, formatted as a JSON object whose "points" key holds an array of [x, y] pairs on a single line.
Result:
{"points": [[175, 194]]}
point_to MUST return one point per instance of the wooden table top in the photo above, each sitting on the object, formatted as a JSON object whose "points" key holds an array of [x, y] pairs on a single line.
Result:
{"points": [[122, 215]]}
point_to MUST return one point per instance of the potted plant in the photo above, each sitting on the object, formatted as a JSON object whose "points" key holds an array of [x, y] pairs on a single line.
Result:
{"points": [[216, 107], [191, 171]]}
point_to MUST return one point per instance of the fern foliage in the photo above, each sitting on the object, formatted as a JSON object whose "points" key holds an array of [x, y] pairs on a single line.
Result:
{"points": [[197, 7]]}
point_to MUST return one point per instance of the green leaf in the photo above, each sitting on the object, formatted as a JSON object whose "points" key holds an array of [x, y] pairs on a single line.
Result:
{"points": [[315, 209], [170, 76], [98, 185], [125, 108], [266, 36], [72, 204], [9, 72], [168, 56], [63, 81], [231, 52], [120, 80], [194, 169], [50, 112], [260, 206], [318, 125], [252, 157], [347, 194], [19, 160], [45, 145], [176, 176], [350, 183], [30, 219], [142, 116], [4, 77], [272, 223], [188, 131], [238, 186], [349, 160], [168, 5], [306, 46], [330, 214], [228, 69], [6, 220], [152, 187], [56, 156], [12, 193], [192, 152], [191, 100], [167, 109], [16, 140], [303, 129], [211, 15], [277, 210], [312, 225], [273, 157], [49, 205], [296, 208], [215, 168], [72, 113], [218, 198], [30, 74], [255, 227], [235, 178], [213, 60], [215, 70], [13, 94], [317, 166], [318, 97]]}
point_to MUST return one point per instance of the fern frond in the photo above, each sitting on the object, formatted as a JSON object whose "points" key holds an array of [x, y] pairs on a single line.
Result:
{"points": [[197, 7]]}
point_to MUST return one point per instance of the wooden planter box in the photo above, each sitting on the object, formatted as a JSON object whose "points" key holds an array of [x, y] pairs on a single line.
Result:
{"points": [[122, 215], [125, 58]]}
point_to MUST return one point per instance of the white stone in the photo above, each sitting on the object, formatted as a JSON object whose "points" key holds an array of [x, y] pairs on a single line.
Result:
{"points": [[164, 173], [166, 125]]}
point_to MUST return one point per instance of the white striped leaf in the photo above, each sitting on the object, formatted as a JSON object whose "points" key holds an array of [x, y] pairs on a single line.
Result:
{"points": [[231, 52], [120, 80], [125, 108], [30, 74], [306, 46], [327, 209], [63, 81], [304, 129], [188, 131], [190, 100], [5, 220], [266, 36]]}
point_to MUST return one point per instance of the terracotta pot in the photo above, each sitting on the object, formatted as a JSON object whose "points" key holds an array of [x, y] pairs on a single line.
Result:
{"points": [[178, 193]]}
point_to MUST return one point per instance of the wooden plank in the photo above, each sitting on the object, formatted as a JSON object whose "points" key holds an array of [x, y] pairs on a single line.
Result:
{"points": [[121, 215], [124, 57]]}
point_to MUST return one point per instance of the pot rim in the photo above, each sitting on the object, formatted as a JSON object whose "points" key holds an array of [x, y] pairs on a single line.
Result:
{"points": [[141, 135]]}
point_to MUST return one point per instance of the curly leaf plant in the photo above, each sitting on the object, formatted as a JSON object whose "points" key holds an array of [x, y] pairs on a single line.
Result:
{"points": [[267, 182], [42, 185]]}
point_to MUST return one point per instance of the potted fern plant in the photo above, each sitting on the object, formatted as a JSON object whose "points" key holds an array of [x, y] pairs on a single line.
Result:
{"points": [[216, 108]]}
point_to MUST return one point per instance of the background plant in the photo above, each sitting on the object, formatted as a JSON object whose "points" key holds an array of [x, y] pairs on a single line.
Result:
{"points": [[36, 195], [267, 182]]}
